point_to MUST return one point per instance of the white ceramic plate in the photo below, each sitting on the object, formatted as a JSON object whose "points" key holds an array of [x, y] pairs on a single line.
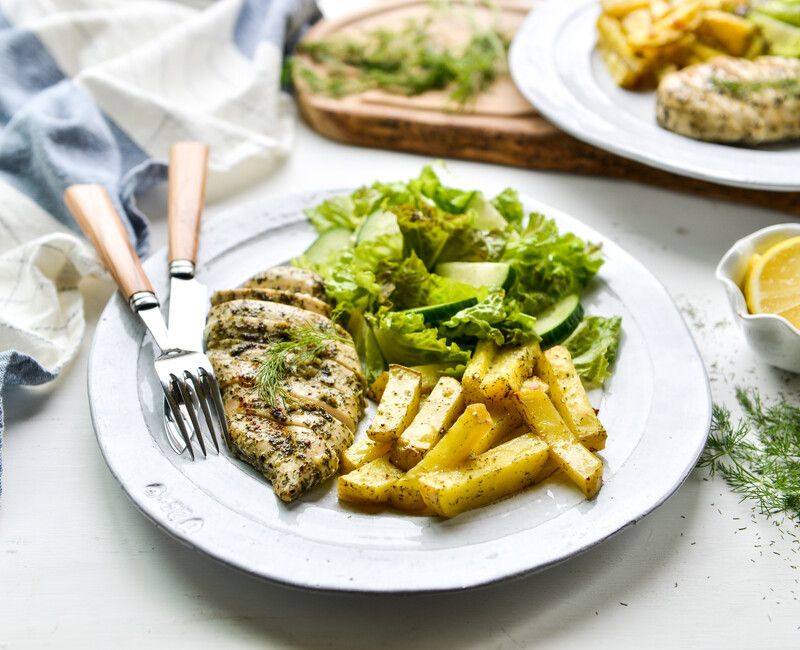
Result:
{"points": [[656, 409], [555, 63]]}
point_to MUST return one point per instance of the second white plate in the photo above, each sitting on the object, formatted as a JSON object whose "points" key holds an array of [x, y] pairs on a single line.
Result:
{"points": [[555, 63]]}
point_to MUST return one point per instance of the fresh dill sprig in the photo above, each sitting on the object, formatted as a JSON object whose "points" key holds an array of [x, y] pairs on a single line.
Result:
{"points": [[302, 345], [759, 456], [790, 85], [406, 61]]}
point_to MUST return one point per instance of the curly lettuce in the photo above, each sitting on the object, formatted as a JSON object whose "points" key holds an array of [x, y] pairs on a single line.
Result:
{"points": [[593, 346], [549, 264], [405, 338], [495, 318]]}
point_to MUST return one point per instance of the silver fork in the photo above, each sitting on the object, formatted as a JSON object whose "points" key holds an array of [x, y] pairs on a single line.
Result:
{"points": [[186, 377]]}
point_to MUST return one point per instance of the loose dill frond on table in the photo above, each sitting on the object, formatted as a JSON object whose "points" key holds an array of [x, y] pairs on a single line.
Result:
{"points": [[406, 61], [303, 344], [758, 456], [789, 85]]}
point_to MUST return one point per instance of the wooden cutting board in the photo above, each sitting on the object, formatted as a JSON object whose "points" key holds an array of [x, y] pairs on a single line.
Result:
{"points": [[501, 127]]}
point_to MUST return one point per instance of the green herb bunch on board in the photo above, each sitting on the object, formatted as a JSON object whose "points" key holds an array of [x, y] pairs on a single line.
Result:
{"points": [[409, 60], [759, 456]]}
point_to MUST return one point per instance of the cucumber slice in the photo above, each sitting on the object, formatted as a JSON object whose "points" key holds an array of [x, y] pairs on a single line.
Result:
{"points": [[486, 215], [479, 274], [377, 224], [443, 311], [328, 244], [783, 38], [556, 323], [366, 346]]}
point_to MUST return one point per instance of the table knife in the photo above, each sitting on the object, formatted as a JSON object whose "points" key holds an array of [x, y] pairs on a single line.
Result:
{"points": [[188, 299]]}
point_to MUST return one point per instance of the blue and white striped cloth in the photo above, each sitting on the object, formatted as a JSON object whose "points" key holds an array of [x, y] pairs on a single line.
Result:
{"points": [[95, 91]]}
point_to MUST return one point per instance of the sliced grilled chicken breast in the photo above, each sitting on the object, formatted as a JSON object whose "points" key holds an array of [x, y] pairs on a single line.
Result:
{"points": [[733, 100], [238, 344], [295, 443], [243, 399], [301, 300], [323, 384], [288, 278], [293, 458]]}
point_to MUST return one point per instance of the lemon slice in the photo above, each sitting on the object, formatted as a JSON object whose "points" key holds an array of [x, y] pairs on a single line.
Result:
{"points": [[772, 282]]}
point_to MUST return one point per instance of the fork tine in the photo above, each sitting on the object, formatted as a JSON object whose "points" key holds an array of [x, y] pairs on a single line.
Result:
{"points": [[203, 398], [212, 389], [176, 414], [189, 404]]}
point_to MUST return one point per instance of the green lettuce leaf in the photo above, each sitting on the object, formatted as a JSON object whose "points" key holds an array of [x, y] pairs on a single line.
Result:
{"points": [[426, 230], [496, 318], [593, 346], [448, 199], [336, 212], [367, 347], [409, 284], [353, 283], [403, 337], [507, 203], [472, 245], [549, 264]]}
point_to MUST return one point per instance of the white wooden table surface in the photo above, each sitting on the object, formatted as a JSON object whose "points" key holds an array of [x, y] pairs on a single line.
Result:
{"points": [[79, 564]]}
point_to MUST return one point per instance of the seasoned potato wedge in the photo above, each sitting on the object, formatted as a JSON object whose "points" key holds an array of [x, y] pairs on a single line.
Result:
{"points": [[640, 42], [510, 367], [549, 468], [457, 444], [477, 367], [555, 367], [404, 495], [376, 388], [581, 466], [452, 450], [370, 483], [494, 474], [732, 32], [505, 418], [398, 406], [436, 414], [363, 451], [627, 69], [428, 376], [621, 8]]}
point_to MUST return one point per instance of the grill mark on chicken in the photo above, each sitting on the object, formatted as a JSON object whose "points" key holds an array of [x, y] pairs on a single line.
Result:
{"points": [[296, 447], [241, 399], [692, 103], [257, 320], [255, 350], [301, 300], [294, 459], [324, 384], [289, 278]]}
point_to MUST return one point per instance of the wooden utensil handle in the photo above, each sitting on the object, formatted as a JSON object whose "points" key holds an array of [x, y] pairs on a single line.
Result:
{"points": [[92, 208], [188, 167]]}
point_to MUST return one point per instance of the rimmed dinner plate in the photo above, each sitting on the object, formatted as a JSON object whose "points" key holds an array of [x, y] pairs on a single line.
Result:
{"points": [[656, 409], [555, 63]]}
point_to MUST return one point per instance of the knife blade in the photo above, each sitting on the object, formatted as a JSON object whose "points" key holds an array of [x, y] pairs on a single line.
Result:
{"points": [[188, 301]]}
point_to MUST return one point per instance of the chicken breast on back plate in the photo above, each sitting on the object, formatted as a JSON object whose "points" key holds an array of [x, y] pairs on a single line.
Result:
{"points": [[294, 434], [733, 100]]}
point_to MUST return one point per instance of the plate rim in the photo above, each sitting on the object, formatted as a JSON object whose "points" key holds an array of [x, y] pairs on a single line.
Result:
{"points": [[116, 304], [558, 14]]}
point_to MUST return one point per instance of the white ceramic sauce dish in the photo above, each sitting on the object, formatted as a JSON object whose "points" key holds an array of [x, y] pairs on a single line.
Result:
{"points": [[772, 337]]}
